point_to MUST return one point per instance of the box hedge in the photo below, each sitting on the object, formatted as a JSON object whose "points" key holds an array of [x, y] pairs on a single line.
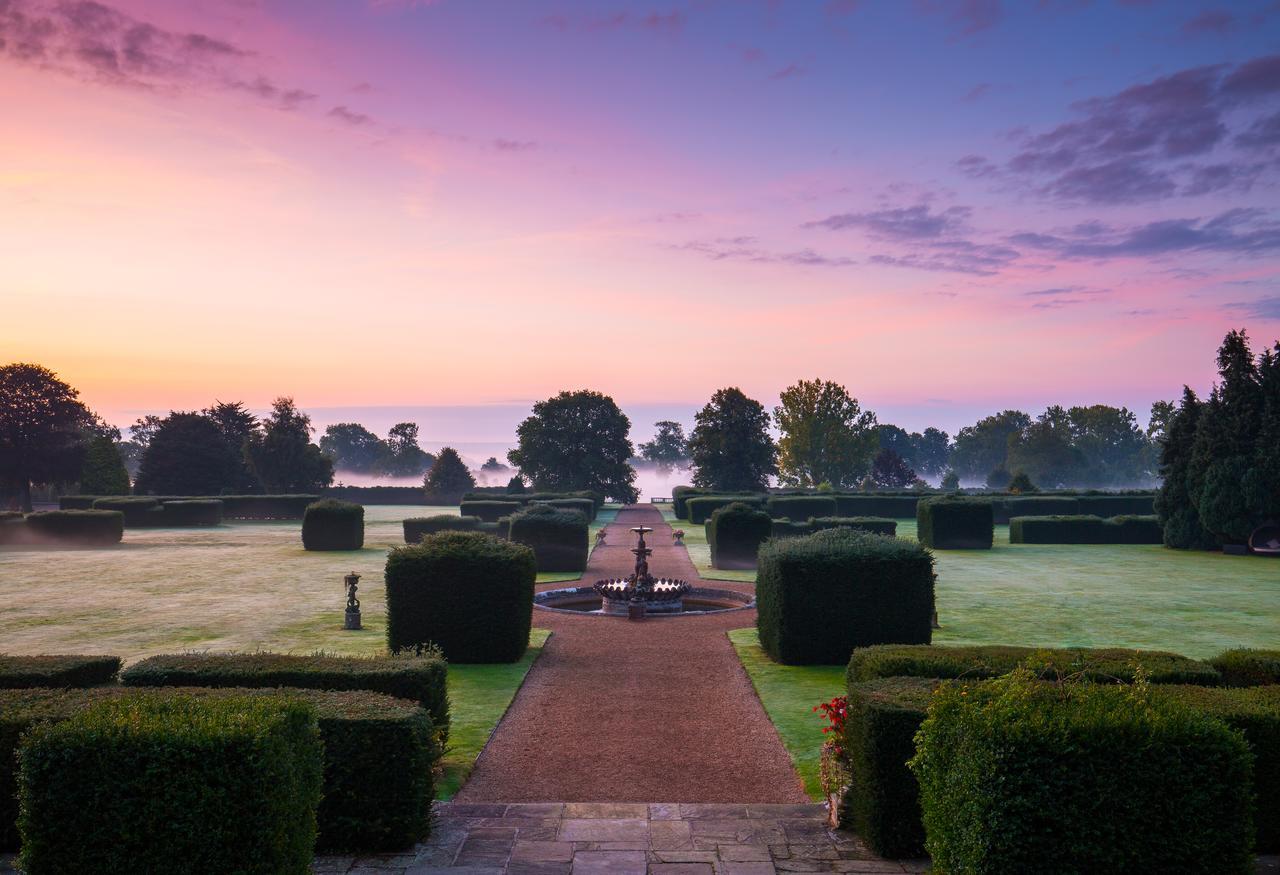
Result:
{"points": [[787, 529], [1246, 667], [150, 784], [1006, 508], [379, 753], [488, 511], [800, 507], [422, 679], [139, 511], [735, 533], [417, 527], [1102, 664], [24, 672], [89, 528], [1021, 776], [77, 502], [1085, 530], [822, 595], [469, 593], [330, 524], [872, 504], [955, 523], [264, 507], [1116, 505], [191, 512], [584, 506], [700, 507], [875, 524], [558, 538]]}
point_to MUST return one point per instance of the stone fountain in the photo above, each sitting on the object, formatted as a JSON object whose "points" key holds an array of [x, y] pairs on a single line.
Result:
{"points": [[641, 593]]}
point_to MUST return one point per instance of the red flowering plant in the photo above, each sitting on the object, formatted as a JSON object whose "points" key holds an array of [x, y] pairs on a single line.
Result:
{"points": [[835, 711], [833, 771]]}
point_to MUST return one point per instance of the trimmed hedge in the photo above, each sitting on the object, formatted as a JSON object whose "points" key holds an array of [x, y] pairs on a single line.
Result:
{"points": [[871, 504], [1102, 664], [488, 511], [882, 801], [1085, 530], [76, 502], [191, 512], [735, 533], [558, 537], [954, 523], [1116, 505], [468, 593], [330, 524], [234, 507], [24, 672], [820, 596], [139, 511], [700, 507], [93, 528], [800, 507], [421, 679], [1245, 667], [416, 527], [788, 529], [875, 524], [1017, 776], [378, 760], [147, 784], [1006, 508], [584, 506]]}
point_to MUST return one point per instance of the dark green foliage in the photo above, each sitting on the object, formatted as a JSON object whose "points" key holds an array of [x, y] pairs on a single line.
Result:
{"points": [[191, 512], [1244, 667], [368, 495], [500, 529], [679, 495], [800, 507], [420, 679], [875, 524], [1084, 530], [1021, 484], [12, 527], [142, 783], [22, 672], [1020, 776], [984, 446], [139, 511], [1176, 503], [820, 596], [488, 511], [577, 440], [1116, 505], [1102, 664], [955, 523], [826, 436], [103, 472], [282, 456], [558, 537], [1004, 509], [266, 507], [76, 527], [730, 447], [669, 446], [735, 533], [950, 481], [187, 455], [882, 803], [416, 527], [584, 506], [871, 504], [76, 502], [42, 425], [449, 478], [468, 593], [699, 508], [330, 524], [787, 529]]}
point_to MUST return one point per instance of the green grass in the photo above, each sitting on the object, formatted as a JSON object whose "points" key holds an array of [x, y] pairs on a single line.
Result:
{"points": [[695, 540], [788, 693], [478, 697]]}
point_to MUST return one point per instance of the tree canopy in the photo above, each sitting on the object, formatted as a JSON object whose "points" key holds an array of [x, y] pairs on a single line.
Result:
{"points": [[283, 457], [42, 430], [448, 478], [187, 455], [826, 435], [730, 448], [576, 441], [669, 446]]}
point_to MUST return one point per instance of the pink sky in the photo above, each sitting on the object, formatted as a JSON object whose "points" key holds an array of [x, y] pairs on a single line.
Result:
{"points": [[402, 203]]}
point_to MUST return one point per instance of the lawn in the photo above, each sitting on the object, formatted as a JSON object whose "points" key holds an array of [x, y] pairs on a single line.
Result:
{"points": [[788, 693]]}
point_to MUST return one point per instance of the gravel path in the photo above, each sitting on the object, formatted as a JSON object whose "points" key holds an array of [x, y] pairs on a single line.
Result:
{"points": [[618, 711]]}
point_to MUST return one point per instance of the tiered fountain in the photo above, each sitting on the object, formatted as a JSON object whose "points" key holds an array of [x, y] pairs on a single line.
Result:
{"points": [[641, 593]]}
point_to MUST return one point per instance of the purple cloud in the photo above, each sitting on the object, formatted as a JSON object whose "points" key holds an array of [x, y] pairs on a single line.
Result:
{"points": [[504, 145], [342, 114], [900, 223], [966, 17], [1240, 231], [1262, 308], [1211, 21], [748, 249]]}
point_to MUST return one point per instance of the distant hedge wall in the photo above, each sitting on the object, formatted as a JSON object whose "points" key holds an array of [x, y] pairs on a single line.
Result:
{"points": [[584, 506], [90, 528], [416, 527], [953, 523], [234, 507], [24, 672], [700, 507], [330, 524], [558, 538], [488, 511], [874, 524], [367, 495], [871, 504], [800, 507], [735, 533], [1085, 530], [191, 512], [1245, 667]]}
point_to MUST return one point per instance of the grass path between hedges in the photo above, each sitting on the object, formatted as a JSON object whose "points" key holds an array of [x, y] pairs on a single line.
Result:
{"points": [[479, 696], [788, 693]]}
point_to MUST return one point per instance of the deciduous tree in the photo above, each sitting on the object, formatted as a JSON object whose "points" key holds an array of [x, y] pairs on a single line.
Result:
{"points": [[42, 430], [826, 435], [577, 441], [730, 448]]}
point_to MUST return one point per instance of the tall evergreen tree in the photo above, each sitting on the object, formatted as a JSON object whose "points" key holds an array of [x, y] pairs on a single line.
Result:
{"points": [[283, 456], [448, 478], [730, 447], [186, 455], [103, 471]]}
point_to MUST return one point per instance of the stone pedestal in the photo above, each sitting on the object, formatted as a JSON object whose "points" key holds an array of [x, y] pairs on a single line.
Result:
{"points": [[351, 620]]}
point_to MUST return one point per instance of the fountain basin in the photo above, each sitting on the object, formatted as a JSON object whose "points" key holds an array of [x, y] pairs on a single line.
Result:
{"points": [[694, 602]]}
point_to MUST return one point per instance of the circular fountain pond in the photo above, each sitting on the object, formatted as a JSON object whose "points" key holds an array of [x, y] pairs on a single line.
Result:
{"points": [[696, 600]]}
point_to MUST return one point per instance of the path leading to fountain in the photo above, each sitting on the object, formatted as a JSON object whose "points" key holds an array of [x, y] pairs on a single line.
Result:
{"points": [[617, 711]]}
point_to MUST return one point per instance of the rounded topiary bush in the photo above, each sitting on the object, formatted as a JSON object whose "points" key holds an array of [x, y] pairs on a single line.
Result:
{"points": [[416, 528], [558, 537], [330, 524], [469, 593], [89, 528]]}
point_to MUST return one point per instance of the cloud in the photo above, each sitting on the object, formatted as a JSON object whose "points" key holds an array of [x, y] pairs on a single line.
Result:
{"points": [[966, 17], [504, 145], [1064, 296], [342, 114], [901, 223], [262, 87], [1262, 134], [1211, 21], [788, 72], [1262, 308], [977, 92], [662, 23], [1240, 231], [748, 249]]}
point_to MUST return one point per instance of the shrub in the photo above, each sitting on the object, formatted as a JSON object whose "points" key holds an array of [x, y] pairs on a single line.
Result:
{"points": [[876, 524], [13, 527], [266, 507], [1103, 664], [584, 506], [882, 802], [558, 537], [820, 596], [330, 524], [954, 523], [139, 511], [864, 504], [93, 528], [1019, 776], [378, 756], [23, 672], [142, 783], [417, 527], [1116, 505], [735, 533], [421, 679], [191, 512], [701, 507], [1136, 530], [76, 502], [501, 529], [800, 507], [1005, 509], [1243, 667], [1084, 530], [468, 593], [488, 511], [681, 494], [785, 528]]}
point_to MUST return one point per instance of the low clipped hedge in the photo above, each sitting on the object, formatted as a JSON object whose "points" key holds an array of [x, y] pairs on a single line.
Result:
{"points": [[415, 528], [1116, 505], [1085, 530], [700, 507], [955, 523], [1102, 664], [785, 528], [584, 506], [820, 596], [1246, 667], [558, 538], [801, 507], [89, 528], [421, 679], [24, 672], [234, 507], [1006, 508], [139, 511], [76, 502], [147, 784], [871, 504], [735, 533], [1018, 776], [488, 511], [379, 753], [466, 592], [875, 524], [330, 524]]}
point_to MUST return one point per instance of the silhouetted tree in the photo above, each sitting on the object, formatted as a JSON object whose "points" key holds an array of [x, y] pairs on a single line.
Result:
{"points": [[577, 440], [448, 478], [950, 481], [1021, 484], [1043, 449], [669, 446], [891, 471], [238, 428], [352, 447], [42, 430], [404, 457], [103, 471], [826, 435], [283, 456], [186, 455], [730, 447], [493, 466], [984, 446]]}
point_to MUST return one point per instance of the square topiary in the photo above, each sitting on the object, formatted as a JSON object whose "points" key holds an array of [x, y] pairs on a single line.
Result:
{"points": [[735, 533], [84, 528], [329, 524], [147, 782], [954, 523], [191, 512], [820, 596], [417, 527], [558, 537], [875, 524], [873, 504], [139, 511], [800, 507], [468, 593]]}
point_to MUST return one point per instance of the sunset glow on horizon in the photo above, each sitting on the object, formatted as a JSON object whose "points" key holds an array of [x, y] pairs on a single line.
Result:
{"points": [[941, 203]]}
